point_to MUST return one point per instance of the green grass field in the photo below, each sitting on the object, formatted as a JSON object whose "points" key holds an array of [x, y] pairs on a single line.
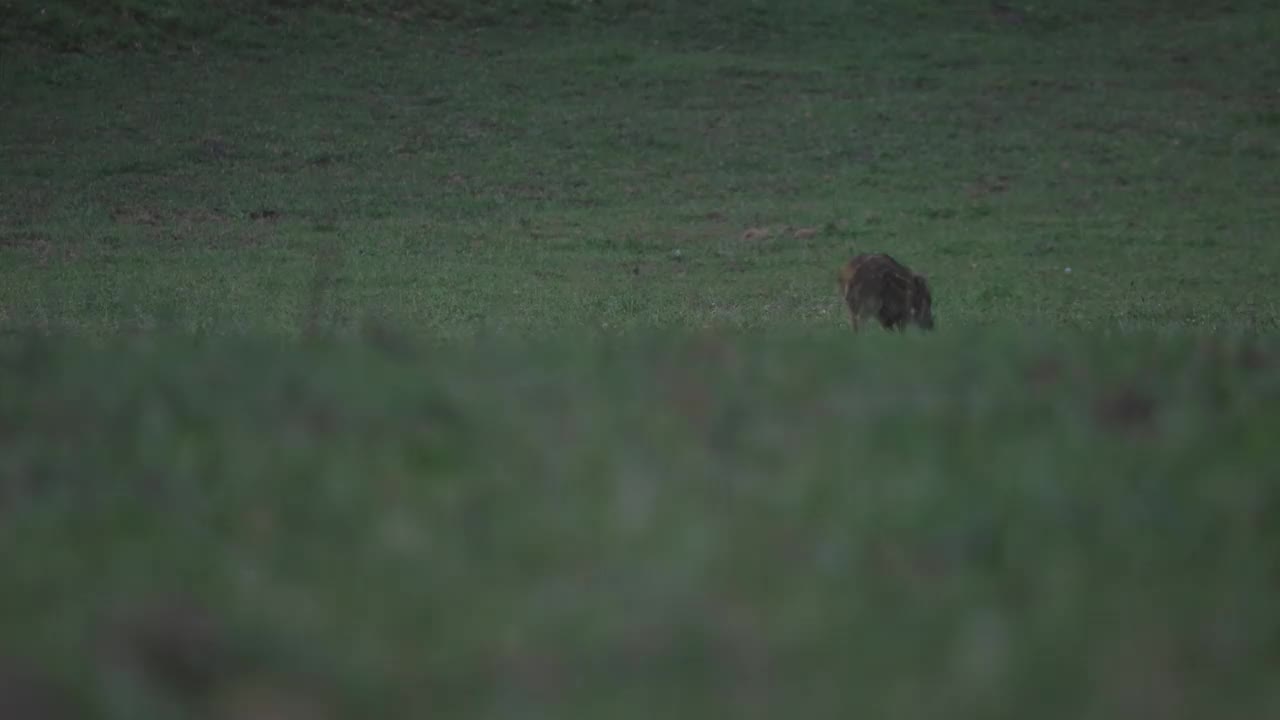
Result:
{"points": [[435, 359]]}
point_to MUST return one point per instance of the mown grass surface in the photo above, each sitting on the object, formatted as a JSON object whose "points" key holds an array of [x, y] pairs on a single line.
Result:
{"points": [[377, 362], [525, 181]]}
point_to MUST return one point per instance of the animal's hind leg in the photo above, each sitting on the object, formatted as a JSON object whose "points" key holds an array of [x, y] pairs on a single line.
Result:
{"points": [[890, 317], [868, 312]]}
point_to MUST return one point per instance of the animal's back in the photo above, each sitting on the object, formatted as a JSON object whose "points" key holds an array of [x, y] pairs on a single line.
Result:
{"points": [[875, 272]]}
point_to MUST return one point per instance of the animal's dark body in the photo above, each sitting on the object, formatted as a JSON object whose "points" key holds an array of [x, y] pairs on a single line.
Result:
{"points": [[874, 285]]}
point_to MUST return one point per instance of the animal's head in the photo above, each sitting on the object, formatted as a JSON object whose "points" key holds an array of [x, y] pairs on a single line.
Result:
{"points": [[845, 277], [921, 303]]}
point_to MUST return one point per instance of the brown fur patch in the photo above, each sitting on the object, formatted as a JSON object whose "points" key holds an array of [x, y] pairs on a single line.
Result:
{"points": [[875, 285]]}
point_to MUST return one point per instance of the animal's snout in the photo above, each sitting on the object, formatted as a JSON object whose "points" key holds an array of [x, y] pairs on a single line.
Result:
{"points": [[924, 317]]}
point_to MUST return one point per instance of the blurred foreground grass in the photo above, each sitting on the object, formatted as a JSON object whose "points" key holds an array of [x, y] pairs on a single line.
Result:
{"points": [[968, 524]]}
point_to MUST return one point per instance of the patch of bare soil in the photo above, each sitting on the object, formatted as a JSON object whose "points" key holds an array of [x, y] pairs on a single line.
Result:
{"points": [[198, 224], [28, 694], [1126, 409], [40, 246], [183, 650], [214, 149], [179, 648], [264, 215], [766, 232], [989, 185], [1045, 372]]}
